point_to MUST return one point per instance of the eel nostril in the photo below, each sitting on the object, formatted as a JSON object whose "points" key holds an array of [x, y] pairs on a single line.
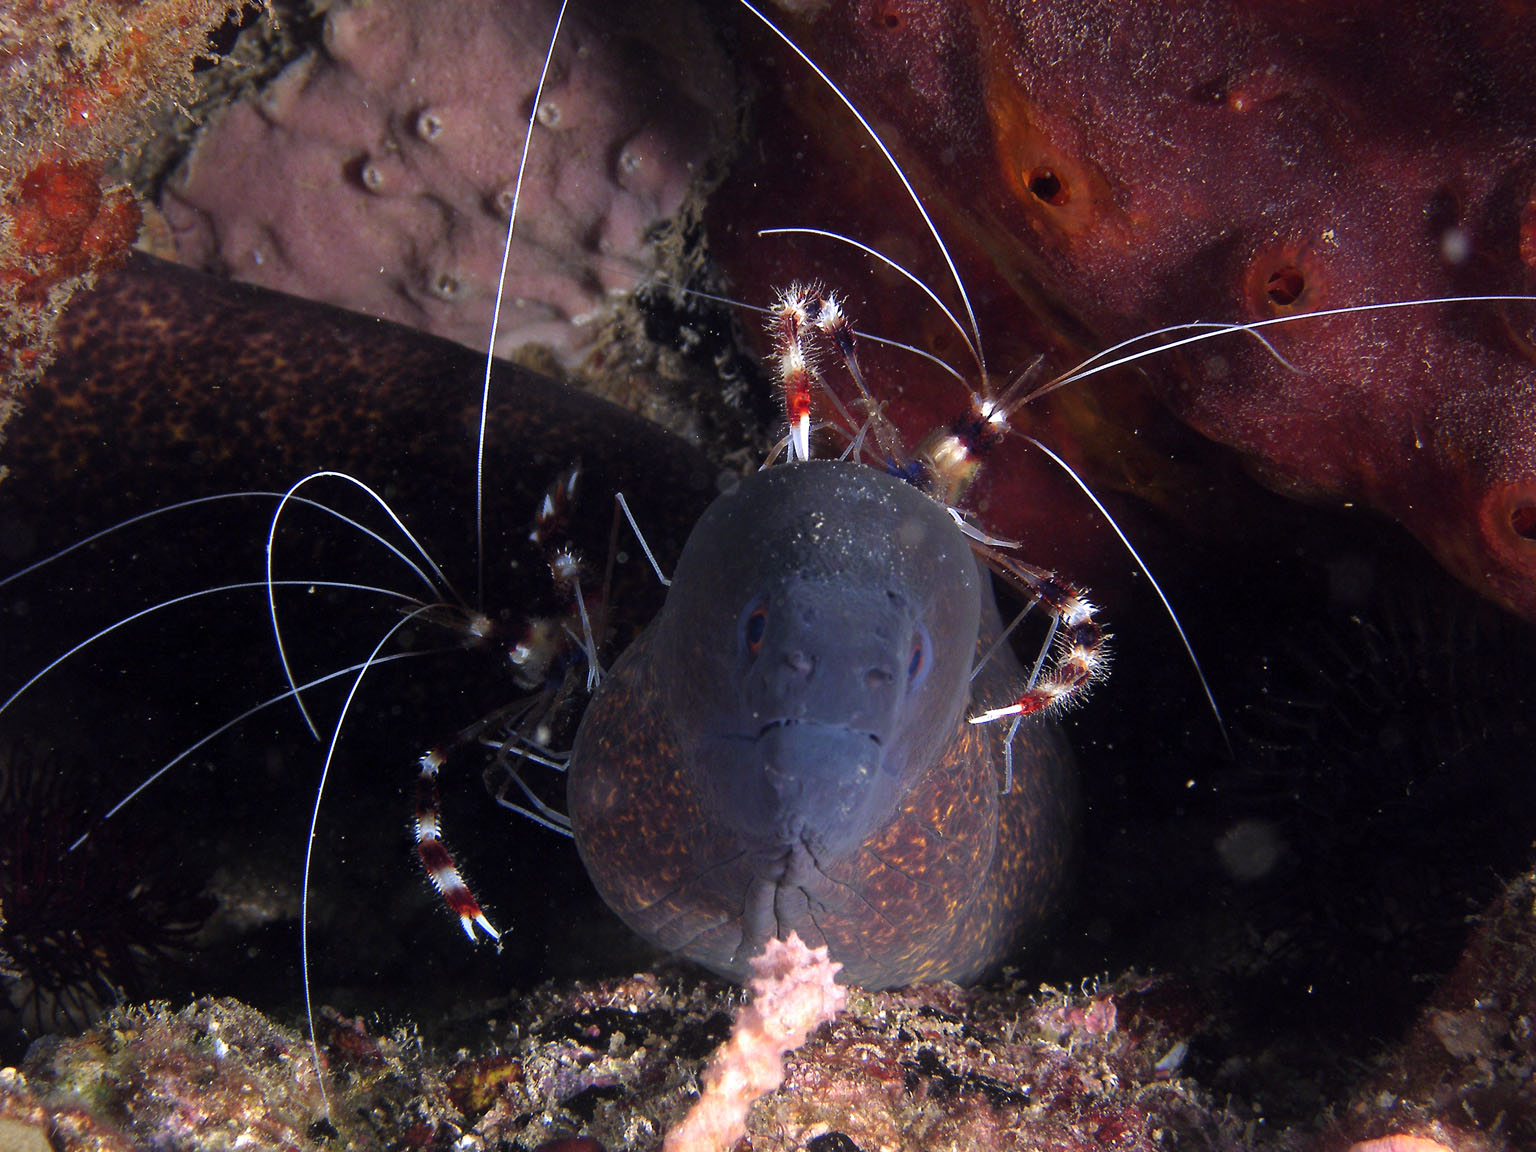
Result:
{"points": [[800, 663]]}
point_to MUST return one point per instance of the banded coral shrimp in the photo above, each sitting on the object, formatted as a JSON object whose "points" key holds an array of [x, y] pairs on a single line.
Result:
{"points": [[1341, 585], [1344, 572], [1115, 214], [209, 468], [820, 263], [184, 668]]}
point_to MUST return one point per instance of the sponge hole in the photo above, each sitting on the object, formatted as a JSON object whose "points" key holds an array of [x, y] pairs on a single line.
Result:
{"points": [[1046, 186]]}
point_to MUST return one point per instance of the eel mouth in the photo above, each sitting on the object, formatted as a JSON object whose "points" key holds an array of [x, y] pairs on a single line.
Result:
{"points": [[817, 784], [785, 722]]}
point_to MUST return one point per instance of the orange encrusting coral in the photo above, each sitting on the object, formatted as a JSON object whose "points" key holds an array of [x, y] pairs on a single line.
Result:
{"points": [[79, 82], [61, 223]]}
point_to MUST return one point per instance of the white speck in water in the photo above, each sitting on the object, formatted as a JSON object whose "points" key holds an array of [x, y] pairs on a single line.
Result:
{"points": [[1250, 849], [1455, 246]]}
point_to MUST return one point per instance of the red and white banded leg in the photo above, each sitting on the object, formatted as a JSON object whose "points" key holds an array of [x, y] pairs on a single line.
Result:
{"points": [[442, 871], [538, 656], [1075, 655], [1077, 642], [804, 316]]}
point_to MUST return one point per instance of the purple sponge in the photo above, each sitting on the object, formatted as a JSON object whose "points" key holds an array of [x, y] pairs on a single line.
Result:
{"points": [[377, 173]]}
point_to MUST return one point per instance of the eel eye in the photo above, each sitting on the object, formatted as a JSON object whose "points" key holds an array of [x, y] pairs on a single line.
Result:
{"points": [[753, 627], [917, 665]]}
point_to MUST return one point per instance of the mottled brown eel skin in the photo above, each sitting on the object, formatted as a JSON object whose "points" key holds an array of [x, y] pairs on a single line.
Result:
{"points": [[171, 385], [786, 747]]}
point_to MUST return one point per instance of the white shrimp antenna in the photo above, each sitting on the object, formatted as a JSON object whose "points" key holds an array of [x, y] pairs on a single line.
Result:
{"points": [[501, 286], [917, 201], [277, 631], [1200, 331], [972, 345], [1178, 627]]}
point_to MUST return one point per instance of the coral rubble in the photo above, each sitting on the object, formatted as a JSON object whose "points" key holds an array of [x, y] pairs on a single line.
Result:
{"points": [[1466, 1074], [933, 1067]]}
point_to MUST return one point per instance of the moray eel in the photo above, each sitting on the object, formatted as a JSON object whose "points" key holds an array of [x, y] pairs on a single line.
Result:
{"points": [[170, 384], [787, 747], [722, 790]]}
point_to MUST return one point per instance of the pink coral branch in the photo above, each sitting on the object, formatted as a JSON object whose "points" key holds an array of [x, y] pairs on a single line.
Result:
{"points": [[792, 995]]}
